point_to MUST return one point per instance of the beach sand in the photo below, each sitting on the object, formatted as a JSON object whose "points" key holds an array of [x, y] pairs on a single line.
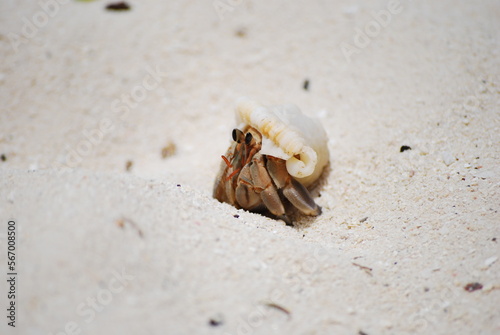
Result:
{"points": [[112, 128]]}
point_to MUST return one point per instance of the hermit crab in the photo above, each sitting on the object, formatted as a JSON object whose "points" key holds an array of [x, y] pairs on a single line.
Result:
{"points": [[276, 153]]}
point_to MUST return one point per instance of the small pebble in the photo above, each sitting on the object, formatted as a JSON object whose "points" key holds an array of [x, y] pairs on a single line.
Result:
{"points": [[448, 158], [471, 287], [306, 85], [128, 165], [168, 150], [3, 157], [216, 320]]}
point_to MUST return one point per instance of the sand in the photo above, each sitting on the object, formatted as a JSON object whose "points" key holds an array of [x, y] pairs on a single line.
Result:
{"points": [[111, 129]]}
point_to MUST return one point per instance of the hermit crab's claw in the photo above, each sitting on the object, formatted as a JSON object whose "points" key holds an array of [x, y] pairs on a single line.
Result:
{"points": [[298, 195], [256, 188], [294, 191], [246, 195], [263, 184]]}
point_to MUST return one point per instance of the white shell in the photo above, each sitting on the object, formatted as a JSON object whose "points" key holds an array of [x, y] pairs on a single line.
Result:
{"points": [[290, 135]]}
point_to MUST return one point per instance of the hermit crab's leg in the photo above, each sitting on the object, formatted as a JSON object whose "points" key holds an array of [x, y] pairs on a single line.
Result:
{"points": [[294, 191], [220, 190], [263, 184], [245, 193], [232, 162]]}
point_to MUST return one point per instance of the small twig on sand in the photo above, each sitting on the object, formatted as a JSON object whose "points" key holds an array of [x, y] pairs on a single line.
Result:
{"points": [[365, 268]]}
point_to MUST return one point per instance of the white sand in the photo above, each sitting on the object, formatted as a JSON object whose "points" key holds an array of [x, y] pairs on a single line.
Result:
{"points": [[429, 79]]}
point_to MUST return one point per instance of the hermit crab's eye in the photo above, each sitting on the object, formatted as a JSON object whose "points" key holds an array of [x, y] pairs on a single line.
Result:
{"points": [[237, 135], [248, 138]]}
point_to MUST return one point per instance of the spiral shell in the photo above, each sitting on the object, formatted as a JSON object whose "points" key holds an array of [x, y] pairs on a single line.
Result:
{"points": [[290, 135]]}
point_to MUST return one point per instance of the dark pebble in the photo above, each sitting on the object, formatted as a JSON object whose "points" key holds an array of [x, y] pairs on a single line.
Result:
{"points": [[471, 287], [216, 321], [118, 6], [306, 85], [404, 148]]}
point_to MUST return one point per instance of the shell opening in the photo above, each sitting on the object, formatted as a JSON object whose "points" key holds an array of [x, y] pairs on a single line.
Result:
{"points": [[304, 165]]}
